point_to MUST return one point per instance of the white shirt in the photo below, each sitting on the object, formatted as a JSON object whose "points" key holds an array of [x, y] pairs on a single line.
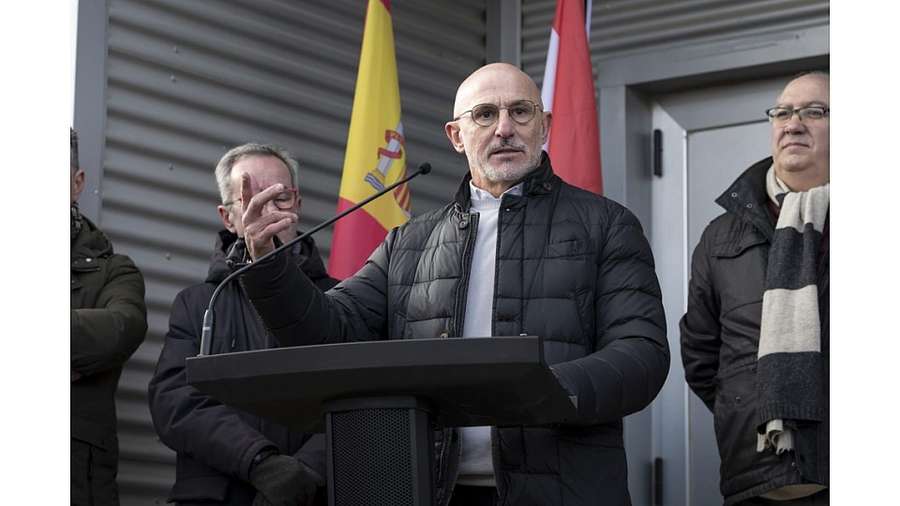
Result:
{"points": [[476, 463]]}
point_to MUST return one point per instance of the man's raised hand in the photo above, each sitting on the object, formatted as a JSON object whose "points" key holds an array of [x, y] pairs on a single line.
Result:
{"points": [[261, 219]]}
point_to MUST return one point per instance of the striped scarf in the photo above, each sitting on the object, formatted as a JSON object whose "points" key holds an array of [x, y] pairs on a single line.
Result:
{"points": [[789, 362]]}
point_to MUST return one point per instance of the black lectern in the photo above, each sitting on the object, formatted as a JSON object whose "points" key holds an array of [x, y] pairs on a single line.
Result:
{"points": [[379, 401]]}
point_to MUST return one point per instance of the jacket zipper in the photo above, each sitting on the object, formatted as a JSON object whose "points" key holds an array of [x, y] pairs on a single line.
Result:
{"points": [[501, 212], [455, 330], [442, 471], [462, 290]]}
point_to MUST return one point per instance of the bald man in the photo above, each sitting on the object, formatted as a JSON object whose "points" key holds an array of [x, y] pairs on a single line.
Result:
{"points": [[517, 251], [755, 338]]}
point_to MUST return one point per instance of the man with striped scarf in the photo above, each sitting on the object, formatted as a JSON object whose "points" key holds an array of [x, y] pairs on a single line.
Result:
{"points": [[755, 338]]}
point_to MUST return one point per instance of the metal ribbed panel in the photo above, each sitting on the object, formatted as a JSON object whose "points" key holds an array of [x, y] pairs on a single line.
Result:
{"points": [[623, 27], [188, 80]]}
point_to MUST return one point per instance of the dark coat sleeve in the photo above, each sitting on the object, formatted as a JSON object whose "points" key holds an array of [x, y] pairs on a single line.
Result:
{"points": [[187, 420], [296, 313], [631, 359], [700, 330], [103, 337], [312, 453], [325, 283]]}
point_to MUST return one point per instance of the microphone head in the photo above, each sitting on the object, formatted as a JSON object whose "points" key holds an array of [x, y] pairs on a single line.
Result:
{"points": [[424, 168]]}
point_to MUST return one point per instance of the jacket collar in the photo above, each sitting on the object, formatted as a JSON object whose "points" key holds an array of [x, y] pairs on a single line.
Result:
{"points": [[230, 253], [90, 242], [746, 197], [539, 181]]}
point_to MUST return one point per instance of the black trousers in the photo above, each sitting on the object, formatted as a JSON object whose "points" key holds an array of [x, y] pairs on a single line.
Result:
{"points": [[817, 499], [465, 495], [93, 475]]}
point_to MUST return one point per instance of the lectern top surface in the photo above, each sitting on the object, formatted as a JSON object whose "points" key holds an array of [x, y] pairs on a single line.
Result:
{"points": [[471, 381]]}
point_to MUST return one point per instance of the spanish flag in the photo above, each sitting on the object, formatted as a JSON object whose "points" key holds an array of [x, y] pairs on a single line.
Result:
{"points": [[376, 154]]}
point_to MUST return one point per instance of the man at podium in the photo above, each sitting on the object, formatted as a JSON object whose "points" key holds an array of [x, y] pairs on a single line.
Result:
{"points": [[517, 251]]}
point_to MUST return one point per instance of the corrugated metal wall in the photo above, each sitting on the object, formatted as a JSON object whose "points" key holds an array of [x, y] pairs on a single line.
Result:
{"points": [[188, 80], [623, 27]]}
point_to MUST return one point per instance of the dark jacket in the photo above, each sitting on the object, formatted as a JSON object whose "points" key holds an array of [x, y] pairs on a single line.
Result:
{"points": [[215, 444], [720, 337], [572, 267], [108, 322]]}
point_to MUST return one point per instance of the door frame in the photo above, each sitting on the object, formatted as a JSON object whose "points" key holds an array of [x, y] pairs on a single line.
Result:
{"points": [[89, 104], [627, 86]]}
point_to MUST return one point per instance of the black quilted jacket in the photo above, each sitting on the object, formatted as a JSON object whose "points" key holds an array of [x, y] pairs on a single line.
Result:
{"points": [[572, 267], [720, 341]]}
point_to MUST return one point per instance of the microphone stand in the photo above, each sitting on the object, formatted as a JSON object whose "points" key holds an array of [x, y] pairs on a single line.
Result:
{"points": [[206, 336]]}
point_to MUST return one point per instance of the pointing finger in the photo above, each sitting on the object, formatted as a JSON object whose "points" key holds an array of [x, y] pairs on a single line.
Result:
{"points": [[246, 191]]}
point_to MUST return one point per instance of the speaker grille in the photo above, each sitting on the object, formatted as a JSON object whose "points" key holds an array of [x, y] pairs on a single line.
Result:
{"points": [[372, 457]]}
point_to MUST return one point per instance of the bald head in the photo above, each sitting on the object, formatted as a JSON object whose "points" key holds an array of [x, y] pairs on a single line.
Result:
{"points": [[820, 76], [478, 87]]}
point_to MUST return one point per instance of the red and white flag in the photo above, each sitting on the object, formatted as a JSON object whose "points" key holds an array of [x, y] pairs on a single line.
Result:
{"points": [[568, 91]]}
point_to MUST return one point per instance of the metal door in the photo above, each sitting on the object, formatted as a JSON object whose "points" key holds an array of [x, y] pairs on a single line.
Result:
{"points": [[709, 136]]}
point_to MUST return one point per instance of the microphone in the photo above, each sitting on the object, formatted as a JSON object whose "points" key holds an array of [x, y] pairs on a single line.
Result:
{"points": [[206, 335]]}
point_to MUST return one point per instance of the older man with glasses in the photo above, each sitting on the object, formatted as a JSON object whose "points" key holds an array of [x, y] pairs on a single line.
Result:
{"points": [[755, 338], [518, 251], [226, 456]]}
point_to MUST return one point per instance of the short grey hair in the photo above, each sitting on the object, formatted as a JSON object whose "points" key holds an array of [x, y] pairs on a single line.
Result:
{"points": [[226, 163]]}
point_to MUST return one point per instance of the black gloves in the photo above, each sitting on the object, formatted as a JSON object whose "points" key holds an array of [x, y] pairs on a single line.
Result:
{"points": [[281, 480]]}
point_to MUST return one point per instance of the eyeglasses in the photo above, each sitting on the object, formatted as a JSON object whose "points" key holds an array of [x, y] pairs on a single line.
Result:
{"points": [[283, 201], [487, 114], [781, 115]]}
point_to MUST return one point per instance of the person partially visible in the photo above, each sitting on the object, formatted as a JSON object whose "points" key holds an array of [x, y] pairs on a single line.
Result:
{"points": [[755, 338], [226, 456], [108, 322]]}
